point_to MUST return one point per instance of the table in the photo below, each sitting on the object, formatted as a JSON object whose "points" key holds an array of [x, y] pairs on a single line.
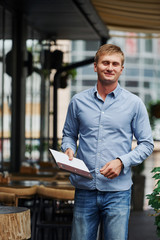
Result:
{"points": [[43, 176], [15, 223]]}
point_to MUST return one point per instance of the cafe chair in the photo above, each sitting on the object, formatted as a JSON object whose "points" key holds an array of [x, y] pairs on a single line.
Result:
{"points": [[20, 192], [28, 170], [24, 197], [54, 215], [8, 199]]}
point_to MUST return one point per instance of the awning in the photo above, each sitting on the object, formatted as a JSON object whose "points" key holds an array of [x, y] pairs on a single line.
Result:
{"points": [[142, 16]]}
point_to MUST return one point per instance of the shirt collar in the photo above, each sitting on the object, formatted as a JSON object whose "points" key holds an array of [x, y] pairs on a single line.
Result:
{"points": [[115, 92]]}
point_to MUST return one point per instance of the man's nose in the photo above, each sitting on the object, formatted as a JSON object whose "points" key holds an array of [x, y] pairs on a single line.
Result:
{"points": [[110, 67]]}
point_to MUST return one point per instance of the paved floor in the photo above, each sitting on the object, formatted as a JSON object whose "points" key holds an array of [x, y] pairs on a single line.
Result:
{"points": [[141, 226]]}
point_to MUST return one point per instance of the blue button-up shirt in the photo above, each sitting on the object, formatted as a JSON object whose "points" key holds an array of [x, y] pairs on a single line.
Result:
{"points": [[105, 130]]}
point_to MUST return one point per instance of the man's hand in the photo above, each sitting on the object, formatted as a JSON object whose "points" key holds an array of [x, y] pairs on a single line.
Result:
{"points": [[112, 169], [70, 153]]}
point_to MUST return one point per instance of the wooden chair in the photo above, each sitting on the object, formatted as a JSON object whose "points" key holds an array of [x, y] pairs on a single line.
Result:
{"points": [[28, 170], [47, 167], [54, 213], [8, 199], [21, 192], [24, 197]]}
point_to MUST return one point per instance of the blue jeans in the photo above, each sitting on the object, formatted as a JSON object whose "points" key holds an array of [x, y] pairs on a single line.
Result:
{"points": [[91, 207]]}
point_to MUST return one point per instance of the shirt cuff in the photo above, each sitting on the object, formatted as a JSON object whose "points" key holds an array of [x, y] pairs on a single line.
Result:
{"points": [[125, 167]]}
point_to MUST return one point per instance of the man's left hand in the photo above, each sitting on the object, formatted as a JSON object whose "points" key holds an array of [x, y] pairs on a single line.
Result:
{"points": [[112, 169]]}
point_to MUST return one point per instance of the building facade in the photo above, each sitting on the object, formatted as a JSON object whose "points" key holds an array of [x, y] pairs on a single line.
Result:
{"points": [[141, 74]]}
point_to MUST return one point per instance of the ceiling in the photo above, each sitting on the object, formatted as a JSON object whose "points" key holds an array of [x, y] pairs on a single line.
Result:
{"points": [[130, 15], [88, 19], [62, 19]]}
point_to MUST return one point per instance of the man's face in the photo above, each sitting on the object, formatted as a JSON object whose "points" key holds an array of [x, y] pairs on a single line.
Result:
{"points": [[108, 68]]}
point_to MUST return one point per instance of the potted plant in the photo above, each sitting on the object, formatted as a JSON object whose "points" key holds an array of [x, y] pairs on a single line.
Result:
{"points": [[154, 198]]}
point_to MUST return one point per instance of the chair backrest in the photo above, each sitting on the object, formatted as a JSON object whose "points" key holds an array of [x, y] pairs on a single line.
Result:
{"points": [[54, 193], [22, 192], [8, 199], [28, 170]]}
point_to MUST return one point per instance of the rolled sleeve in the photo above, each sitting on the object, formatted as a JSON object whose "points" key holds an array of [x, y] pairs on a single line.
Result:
{"points": [[143, 134], [70, 130]]}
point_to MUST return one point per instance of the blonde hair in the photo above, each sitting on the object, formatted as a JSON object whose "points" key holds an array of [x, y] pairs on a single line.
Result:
{"points": [[109, 49]]}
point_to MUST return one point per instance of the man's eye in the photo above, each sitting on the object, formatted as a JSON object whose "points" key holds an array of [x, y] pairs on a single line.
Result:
{"points": [[115, 64]]}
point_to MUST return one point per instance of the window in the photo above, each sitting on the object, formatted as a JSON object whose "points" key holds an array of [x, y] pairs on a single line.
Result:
{"points": [[92, 45], [149, 61], [131, 84], [132, 72], [136, 93], [148, 45], [5, 87], [89, 82], [147, 98], [148, 72], [132, 60], [146, 84], [88, 70]]}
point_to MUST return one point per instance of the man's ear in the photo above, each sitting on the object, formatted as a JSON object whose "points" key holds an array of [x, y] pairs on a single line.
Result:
{"points": [[122, 69], [95, 66]]}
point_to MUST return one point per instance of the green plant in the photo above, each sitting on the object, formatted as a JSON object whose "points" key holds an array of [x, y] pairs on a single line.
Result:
{"points": [[153, 112], [154, 198], [71, 73]]}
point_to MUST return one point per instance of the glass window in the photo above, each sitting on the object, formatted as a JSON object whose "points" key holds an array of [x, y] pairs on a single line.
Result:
{"points": [[149, 61], [148, 72], [158, 73], [89, 82], [88, 70], [132, 60], [146, 84], [33, 107], [92, 45], [6, 93], [131, 84], [74, 45], [132, 72], [147, 98], [136, 93], [73, 93], [148, 45]]}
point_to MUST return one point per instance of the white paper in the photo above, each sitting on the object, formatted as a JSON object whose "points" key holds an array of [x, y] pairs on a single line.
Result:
{"points": [[63, 158]]}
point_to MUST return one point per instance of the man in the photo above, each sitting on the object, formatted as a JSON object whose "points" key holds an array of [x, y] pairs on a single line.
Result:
{"points": [[105, 118]]}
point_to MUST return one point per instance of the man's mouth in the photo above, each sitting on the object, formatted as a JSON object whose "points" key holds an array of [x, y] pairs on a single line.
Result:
{"points": [[108, 74]]}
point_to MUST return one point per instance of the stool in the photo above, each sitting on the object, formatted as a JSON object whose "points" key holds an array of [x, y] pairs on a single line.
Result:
{"points": [[60, 204], [14, 223]]}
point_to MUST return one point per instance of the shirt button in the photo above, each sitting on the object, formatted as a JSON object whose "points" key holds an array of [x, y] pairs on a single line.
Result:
{"points": [[102, 112]]}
